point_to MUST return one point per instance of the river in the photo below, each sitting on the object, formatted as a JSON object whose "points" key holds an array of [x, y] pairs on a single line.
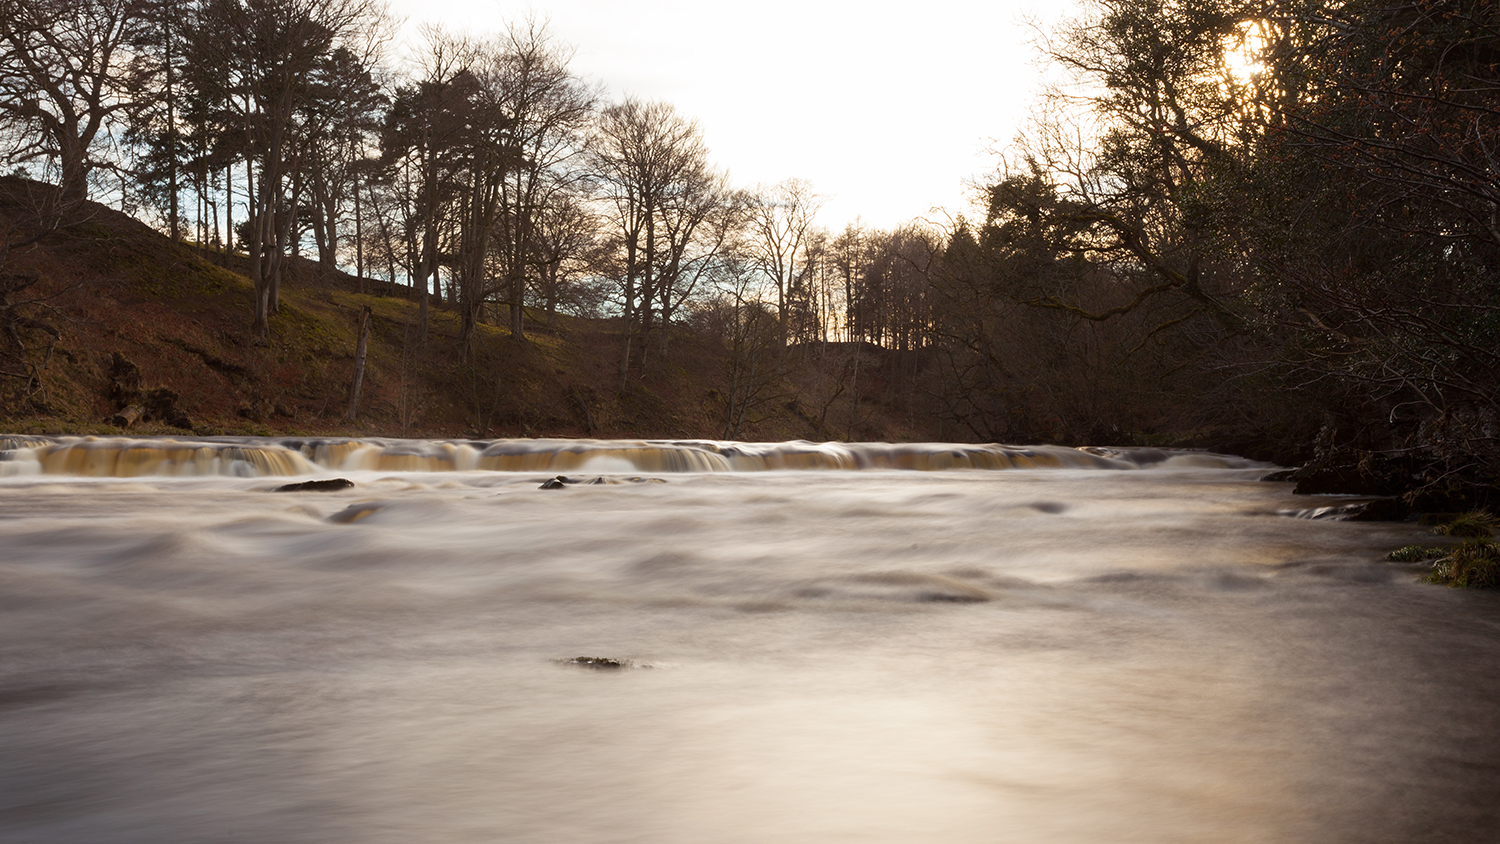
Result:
{"points": [[785, 642]]}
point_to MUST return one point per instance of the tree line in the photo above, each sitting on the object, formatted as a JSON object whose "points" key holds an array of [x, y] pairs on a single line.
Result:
{"points": [[1274, 218], [480, 171], [1231, 221]]}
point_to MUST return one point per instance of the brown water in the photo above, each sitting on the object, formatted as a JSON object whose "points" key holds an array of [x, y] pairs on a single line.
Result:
{"points": [[1034, 655]]}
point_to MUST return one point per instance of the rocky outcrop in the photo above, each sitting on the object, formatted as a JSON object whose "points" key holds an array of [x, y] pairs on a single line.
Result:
{"points": [[1440, 473], [328, 485], [134, 405]]}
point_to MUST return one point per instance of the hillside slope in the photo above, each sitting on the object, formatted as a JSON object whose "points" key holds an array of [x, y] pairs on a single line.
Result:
{"points": [[102, 315]]}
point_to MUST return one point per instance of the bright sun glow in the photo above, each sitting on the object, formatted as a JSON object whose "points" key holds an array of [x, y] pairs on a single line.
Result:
{"points": [[1244, 53]]}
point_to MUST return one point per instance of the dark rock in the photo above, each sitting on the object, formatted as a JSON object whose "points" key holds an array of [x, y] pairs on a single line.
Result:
{"points": [[1282, 476], [1382, 510], [601, 663], [329, 485], [1377, 510], [1354, 472], [1430, 475], [596, 662], [562, 481]]}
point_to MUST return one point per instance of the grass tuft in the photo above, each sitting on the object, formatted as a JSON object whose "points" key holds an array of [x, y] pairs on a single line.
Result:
{"points": [[1416, 554], [1473, 524], [1474, 565]]}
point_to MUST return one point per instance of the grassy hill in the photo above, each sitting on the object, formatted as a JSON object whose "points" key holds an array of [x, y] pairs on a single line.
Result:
{"points": [[99, 313]]}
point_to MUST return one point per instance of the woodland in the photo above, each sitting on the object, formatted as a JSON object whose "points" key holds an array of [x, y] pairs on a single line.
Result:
{"points": [[1267, 227]]}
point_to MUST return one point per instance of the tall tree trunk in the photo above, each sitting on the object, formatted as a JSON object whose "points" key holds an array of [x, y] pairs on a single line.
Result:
{"points": [[359, 364], [171, 97], [256, 253], [518, 306], [228, 212], [73, 161], [428, 265], [359, 240], [628, 321]]}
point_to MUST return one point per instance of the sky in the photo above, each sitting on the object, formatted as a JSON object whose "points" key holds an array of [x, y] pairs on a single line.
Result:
{"points": [[887, 109]]}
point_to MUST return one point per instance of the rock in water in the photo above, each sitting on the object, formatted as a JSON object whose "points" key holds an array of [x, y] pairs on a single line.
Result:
{"points": [[562, 481], [329, 485], [354, 512], [602, 663]]}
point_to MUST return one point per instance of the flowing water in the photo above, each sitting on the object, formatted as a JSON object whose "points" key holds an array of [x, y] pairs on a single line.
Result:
{"points": [[790, 643]]}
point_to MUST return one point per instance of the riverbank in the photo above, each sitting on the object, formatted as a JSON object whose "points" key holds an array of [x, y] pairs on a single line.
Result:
{"points": [[118, 330], [115, 330]]}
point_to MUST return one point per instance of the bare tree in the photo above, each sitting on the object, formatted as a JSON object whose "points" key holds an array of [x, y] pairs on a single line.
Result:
{"points": [[753, 377], [780, 218], [566, 240], [547, 111], [647, 157], [65, 69]]}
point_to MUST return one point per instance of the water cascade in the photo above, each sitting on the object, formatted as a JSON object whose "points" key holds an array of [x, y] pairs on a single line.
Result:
{"points": [[256, 457]]}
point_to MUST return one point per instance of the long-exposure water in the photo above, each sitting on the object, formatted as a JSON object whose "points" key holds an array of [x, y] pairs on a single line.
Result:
{"points": [[1134, 647]]}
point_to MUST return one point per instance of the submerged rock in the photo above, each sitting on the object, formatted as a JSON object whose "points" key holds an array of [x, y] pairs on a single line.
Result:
{"points": [[601, 663], [354, 512], [329, 485], [562, 481], [1372, 510]]}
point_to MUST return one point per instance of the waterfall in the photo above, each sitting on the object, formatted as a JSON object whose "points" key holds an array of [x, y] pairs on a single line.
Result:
{"points": [[123, 457]]}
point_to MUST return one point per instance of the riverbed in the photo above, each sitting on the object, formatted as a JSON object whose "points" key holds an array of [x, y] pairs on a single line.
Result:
{"points": [[1158, 652]]}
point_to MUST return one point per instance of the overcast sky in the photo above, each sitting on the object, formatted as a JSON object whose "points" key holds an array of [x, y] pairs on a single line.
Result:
{"points": [[886, 109]]}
